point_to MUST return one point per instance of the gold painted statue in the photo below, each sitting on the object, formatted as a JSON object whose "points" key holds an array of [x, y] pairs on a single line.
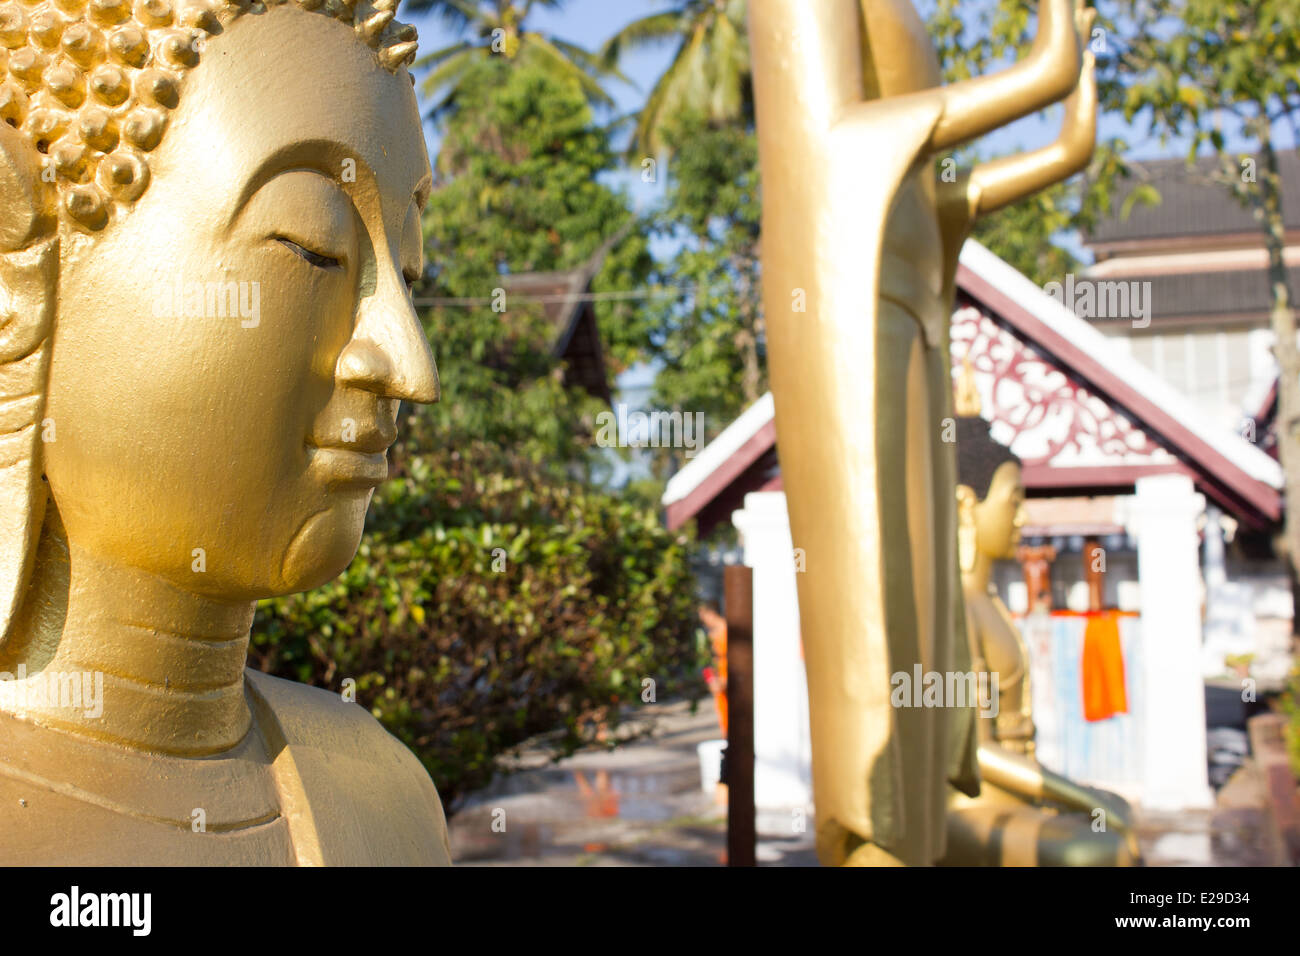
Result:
{"points": [[860, 243], [1024, 815], [211, 218]]}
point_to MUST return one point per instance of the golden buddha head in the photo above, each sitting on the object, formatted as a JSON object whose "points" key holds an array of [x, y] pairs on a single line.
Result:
{"points": [[990, 494], [211, 221]]}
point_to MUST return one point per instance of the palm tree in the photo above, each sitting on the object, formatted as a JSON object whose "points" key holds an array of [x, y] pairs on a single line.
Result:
{"points": [[499, 28], [709, 76]]}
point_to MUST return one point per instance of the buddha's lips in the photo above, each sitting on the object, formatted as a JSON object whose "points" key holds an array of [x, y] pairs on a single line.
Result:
{"points": [[348, 467]]}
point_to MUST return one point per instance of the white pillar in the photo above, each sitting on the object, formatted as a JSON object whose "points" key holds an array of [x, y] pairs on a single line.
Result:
{"points": [[1171, 691], [782, 747], [1229, 615]]}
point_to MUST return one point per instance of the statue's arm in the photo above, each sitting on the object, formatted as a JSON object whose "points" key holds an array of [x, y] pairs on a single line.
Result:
{"points": [[1050, 71], [993, 185], [1030, 780], [969, 109]]}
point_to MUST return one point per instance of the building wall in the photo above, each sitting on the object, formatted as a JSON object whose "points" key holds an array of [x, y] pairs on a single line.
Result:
{"points": [[1221, 369], [1247, 617]]}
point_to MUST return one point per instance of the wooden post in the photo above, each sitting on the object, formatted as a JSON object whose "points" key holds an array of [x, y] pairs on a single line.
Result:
{"points": [[738, 587], [1036, 564], [1094, 572]]}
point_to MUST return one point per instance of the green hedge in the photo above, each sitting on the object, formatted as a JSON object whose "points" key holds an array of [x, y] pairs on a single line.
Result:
{"points": [[1290, 703], [488, 604]]}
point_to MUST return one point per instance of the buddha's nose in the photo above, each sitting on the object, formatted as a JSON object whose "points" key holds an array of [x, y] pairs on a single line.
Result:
{"points": [[388, 353]]}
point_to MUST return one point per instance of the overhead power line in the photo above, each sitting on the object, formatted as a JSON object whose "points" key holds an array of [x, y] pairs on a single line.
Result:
{"points": [[656, 292]]}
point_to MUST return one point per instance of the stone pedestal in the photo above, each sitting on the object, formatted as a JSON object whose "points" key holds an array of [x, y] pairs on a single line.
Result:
{"points": [[1163, 517], [782, 747]]}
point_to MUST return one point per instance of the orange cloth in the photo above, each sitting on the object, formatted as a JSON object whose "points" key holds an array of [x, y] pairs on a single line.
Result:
{"points": [[720, 649], [1103, 668], [718, 637]]}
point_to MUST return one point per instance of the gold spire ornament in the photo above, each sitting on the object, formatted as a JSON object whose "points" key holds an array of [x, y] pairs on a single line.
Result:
{"points": [[209, 217], [966, 403]]}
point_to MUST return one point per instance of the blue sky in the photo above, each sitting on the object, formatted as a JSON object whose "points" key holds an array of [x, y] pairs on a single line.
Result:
{"points": [[590, 22]]}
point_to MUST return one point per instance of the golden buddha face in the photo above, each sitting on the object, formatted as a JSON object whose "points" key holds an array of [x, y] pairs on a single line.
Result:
{"points": [[1000, 516], [229, 353]]}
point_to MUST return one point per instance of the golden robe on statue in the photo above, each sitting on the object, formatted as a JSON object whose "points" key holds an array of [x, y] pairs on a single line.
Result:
{"points": [[859, 226]]}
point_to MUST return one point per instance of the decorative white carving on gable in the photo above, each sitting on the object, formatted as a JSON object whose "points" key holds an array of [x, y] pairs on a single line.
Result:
{"points": [[1037, 410]]}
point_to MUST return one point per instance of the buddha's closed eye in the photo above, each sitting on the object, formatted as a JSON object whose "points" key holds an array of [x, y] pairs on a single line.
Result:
{"points": [[315, 258]]}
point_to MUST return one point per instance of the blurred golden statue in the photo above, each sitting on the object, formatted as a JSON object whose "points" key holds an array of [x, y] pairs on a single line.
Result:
{"points": [[1024, 815], [211, 218], [861, 235]]}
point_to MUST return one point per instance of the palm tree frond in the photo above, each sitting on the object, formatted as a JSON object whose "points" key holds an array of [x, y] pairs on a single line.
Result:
{"points": [[654, 29], [591, 62], [431, 60], [451, 69], [562, 66], [456, 14], [709, 74]]}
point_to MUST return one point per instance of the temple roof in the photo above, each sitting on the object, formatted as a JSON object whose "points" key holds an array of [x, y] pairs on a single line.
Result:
{"points": [[1220, 297], [1082, 414], [566, 302], [1190, 205]]}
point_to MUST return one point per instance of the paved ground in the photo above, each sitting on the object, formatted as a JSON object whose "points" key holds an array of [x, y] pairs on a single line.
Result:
{"points": [[638, 805], [1237, 832], [642, 805]]}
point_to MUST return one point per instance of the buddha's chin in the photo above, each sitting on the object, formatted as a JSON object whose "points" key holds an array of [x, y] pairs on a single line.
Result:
{"points": [[324, 545]]}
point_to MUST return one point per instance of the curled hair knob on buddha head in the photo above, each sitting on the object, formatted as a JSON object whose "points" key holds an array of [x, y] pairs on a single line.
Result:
{"points": [[91, 85]]}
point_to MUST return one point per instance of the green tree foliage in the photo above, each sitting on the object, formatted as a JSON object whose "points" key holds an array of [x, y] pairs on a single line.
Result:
{"points": [[499, 30], [1289, 702], [522, 194], [709, 75], [711, 340], [490, 604]]}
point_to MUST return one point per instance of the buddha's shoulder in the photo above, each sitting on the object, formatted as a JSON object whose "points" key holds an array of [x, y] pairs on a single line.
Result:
{"points": [[311, 716], [349, 772]]}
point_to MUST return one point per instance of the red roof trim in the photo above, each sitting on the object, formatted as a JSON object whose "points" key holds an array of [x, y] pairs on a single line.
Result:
{"points": [[1100, 380], [758, 444], [1122, 477], [1109, 476]]}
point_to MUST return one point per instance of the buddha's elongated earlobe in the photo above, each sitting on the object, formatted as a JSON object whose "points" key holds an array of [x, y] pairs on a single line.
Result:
{"points": [[29, 261]]}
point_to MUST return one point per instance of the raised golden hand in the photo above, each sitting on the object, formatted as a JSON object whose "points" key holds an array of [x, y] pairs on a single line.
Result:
{"points": [[992, 185]]}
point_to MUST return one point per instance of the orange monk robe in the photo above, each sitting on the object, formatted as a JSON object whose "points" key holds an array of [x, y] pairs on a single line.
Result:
{"points": [[1103, 667]]}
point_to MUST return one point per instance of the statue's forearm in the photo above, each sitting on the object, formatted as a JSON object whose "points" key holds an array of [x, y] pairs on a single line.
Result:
{"points": [[1029, 780], [990, 186], [1004, 181], [1050, 71]]}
